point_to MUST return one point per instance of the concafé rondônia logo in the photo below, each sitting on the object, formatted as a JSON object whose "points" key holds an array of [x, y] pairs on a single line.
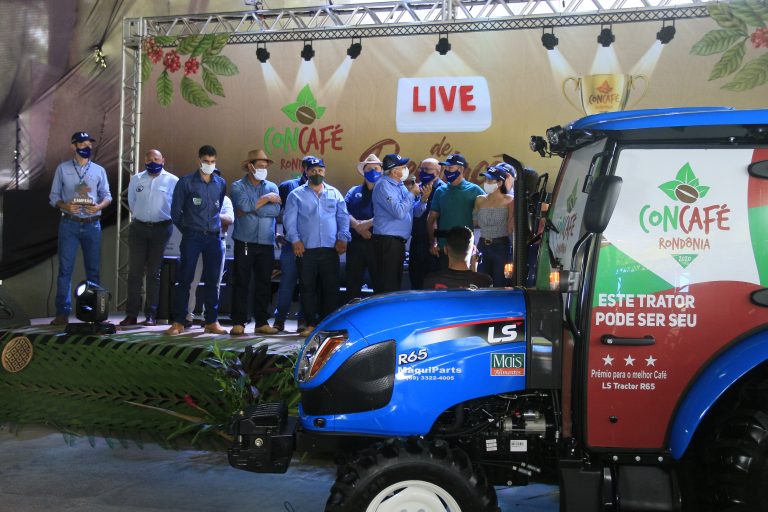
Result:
{"points": [[304, 139], [685, 225]]}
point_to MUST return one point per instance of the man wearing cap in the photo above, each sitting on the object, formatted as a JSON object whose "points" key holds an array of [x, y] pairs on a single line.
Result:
{"points": [[393, 205], [317, 225], [80, 190], [360, 253], [495, 213], [420, 261], [257, 205], [150, 194], [289, 273], [195, 210], [451, 205]]}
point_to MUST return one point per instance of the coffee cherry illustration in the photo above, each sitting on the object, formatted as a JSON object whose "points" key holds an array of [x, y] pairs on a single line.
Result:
{"points": [[686, 193]]}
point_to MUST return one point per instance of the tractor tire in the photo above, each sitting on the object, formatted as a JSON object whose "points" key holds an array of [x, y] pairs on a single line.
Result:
{"points": [[736, 462], [411, 475]]}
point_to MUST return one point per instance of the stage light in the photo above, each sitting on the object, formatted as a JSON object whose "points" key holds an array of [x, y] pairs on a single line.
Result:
{"points": [[91, 307], [354, 49], [549, 40], [667, 32], [262, 54], [307, 52], [606, 37], [443, 46]]}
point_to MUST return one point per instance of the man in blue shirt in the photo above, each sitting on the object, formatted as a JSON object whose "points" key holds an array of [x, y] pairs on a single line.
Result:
{"points": [[257, 204], [420, 261], [197, 201], [80, 190], [392, 219], [452, 205], [360, 253], [317, 225], [289, 273], [150, 194]]}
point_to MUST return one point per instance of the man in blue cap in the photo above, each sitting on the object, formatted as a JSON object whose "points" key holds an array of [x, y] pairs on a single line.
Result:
{"points": [[392, 220], [316, 224], [451, 205], [80, 190]]}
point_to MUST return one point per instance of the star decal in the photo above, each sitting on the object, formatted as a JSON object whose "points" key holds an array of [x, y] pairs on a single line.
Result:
{"points": [[650, 361], [608, 360], [629, 361]]}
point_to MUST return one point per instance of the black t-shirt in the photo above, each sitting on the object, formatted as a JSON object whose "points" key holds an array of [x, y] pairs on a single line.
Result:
{"points": [[456, 279]]}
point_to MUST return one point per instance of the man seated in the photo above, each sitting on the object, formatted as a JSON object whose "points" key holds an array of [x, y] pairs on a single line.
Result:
{"points": [[462, 263]]}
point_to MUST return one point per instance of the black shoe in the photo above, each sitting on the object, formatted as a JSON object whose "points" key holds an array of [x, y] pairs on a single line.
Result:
{"points": [[60, 320], [129, 320], [280, 326], [150, 321], [187, 324]]}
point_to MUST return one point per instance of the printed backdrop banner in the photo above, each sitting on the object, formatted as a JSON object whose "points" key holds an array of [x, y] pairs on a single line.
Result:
{"points": [[486, 97]]}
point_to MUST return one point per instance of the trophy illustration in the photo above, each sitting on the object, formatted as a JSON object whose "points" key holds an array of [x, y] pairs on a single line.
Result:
{"points": [[603, 92]]}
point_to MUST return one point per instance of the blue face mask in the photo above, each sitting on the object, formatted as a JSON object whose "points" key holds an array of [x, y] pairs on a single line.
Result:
{"points": [[372, 175], [84, 152], [425, 177], [450, 177], [153, 167]]}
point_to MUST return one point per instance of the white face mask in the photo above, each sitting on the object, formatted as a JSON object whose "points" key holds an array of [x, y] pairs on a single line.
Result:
{"points": [[207, 168], [404, 175], [490, 188], [260, 174]]}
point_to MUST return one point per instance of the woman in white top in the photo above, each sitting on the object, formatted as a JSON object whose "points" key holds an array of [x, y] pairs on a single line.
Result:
{"points": [[495, 217]]}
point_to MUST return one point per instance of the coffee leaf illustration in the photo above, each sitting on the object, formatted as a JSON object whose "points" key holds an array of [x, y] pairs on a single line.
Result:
{"points": [[188, 44], [203, 46], [212, 84], [754, 73], [221, 65], [717, 41], [319, 111], [685, 175], [306, 97], [729, 62], [218, 42], [723, 16], [760, 7], [165, 40], [290, 111], [702, 191], [146, 67], [164, 89], [745, 12], [195, 94], [669, 188]]}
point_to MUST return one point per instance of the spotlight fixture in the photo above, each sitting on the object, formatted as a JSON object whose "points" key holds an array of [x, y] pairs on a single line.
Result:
{"points": [[262, 54], [667, 32], [354, 49], [538, 145], [443, 46], [606, 37], [307, 52], [91, 307], [549, 40]]}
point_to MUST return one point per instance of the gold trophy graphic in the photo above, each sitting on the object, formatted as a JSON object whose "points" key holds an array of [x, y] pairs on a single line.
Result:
{"points": [[603, 92]]}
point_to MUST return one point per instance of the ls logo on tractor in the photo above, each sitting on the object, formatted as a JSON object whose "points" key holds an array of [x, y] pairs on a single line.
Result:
{"points": [[412, 357], [509, 333]]}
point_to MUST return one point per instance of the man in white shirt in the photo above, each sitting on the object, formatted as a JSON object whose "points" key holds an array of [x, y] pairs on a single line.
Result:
{"points": [[150, 193]]}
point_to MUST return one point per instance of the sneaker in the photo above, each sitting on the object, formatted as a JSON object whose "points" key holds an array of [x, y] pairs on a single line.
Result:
{"points": [[214, 328], [175, 328], [265, 329], [60, 320], [129, 320], [307, 330], [237, 330]]}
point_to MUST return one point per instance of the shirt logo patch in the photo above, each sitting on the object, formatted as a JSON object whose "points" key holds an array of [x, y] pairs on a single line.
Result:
{"points": [[139, 188], [197, 201]]}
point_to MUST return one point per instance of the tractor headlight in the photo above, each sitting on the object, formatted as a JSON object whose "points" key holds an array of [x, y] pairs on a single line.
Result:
{"points": [[318, 351]]}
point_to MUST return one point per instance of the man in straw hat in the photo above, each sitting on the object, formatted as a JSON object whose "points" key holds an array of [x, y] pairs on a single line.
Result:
{"points": [[359, 199], [257, 204]]}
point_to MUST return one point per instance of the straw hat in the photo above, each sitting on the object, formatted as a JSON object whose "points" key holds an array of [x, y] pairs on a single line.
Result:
{"points": [[370, 159], [256, 154]]}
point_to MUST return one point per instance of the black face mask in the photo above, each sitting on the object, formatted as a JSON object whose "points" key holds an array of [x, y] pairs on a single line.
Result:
{"points": [[316, 179], [503, 188], [84, 152]]}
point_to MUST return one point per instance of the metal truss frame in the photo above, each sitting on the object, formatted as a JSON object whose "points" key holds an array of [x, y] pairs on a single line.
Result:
{"points": [[361, 20]]}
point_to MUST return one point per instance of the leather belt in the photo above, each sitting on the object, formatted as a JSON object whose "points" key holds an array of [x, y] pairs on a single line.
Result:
{"points": [[82, 220], [491, 241], [159, 223], [398, 238]]}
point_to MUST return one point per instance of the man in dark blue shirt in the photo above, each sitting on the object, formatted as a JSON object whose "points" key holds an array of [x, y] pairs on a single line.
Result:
{"points": [[420, 261], [195, 209], [360, 253]]}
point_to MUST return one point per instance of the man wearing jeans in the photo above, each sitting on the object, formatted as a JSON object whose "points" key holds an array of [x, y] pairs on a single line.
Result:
{"points": [[317, 225], [195, 210], [80, 190], [149, 198]]}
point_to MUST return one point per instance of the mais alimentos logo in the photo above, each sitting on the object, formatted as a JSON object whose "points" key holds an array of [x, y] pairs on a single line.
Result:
{"points": [[507, 364], [687, 224], [306, 139]]}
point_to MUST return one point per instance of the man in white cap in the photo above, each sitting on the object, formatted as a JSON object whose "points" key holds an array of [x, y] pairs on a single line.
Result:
{"points": [[360, 252]]}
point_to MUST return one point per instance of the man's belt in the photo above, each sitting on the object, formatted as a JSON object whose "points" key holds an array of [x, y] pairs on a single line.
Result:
{"points": [[398, 238], [491, 241], [150, 224], [82, 220]]}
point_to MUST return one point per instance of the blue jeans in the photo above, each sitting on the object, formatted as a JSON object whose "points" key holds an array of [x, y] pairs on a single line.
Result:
{"points": [[289, 274], [72, 234], [495, 256], [212, 248]]}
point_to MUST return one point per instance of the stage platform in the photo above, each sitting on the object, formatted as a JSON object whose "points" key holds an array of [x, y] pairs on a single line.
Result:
{"points": [[83, 383]]}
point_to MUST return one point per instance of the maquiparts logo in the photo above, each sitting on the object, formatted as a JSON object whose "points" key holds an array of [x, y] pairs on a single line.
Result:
{"points": [[687, 227]]}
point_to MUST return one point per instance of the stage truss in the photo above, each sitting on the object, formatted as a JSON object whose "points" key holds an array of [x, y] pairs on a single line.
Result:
{"points": [[347, 21]]}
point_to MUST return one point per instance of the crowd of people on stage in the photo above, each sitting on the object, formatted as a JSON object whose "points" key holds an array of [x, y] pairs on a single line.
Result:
{"points": [[435, 208]]}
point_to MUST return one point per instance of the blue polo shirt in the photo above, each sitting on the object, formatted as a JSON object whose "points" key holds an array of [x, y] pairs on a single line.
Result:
{"points": [[316, 220], [86, 181], [196, 204], [392, 208], [258, 225], [359, 201]]}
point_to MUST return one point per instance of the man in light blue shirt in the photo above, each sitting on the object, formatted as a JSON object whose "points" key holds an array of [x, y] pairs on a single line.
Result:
{"points": [[80, 190], [150, 194], [316, 223], [257, 204], [392, 220]]}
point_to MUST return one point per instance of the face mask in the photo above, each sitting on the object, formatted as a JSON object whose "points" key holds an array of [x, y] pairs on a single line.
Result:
{"points": [[372, 175], [504, 188], [316, 179], [450, 177], [84, 152], [260, 174], [425, 177], [153, 167], [404, 176], [490, 188], [207, 168]]}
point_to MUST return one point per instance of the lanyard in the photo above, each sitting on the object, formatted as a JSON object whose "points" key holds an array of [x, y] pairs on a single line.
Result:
{"points": [[81, 177]]}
